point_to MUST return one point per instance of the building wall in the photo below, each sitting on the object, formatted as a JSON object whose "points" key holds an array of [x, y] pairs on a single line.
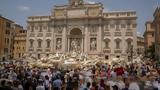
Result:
{"points": [[19, 43], [91, 30], [157, 32], [6, 38], [149, 34], [140, 45]]}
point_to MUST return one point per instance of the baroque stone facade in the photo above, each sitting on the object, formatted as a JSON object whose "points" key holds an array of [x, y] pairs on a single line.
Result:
{"points": [[82, 27]]}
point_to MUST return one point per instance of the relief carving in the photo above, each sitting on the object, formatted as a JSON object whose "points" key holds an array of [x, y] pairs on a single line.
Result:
{"points": [[59, 29]]}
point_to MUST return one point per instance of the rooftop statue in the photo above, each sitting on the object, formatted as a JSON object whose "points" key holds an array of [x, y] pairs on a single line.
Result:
{"points": [[76, 2]]}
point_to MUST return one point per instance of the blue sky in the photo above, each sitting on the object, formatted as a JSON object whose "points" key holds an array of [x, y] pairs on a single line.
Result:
{"points": [[19, 10]]}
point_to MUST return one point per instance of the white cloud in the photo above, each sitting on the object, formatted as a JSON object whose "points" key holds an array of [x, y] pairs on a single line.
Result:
{"points": [[24, 8]]}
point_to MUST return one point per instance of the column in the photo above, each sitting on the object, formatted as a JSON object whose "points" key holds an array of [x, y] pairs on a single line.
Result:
{"points": [[68, 44], [86, 39], [64, 39], [82, 44], [99, 39]]}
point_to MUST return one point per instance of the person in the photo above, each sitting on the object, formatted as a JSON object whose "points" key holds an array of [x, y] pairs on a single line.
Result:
{"points": [[20, 87], [87, 86], [120, 83], [156, 84], [133, 85], [57, 84], [102, 85], [46, 83], [69, 84], [94, 86], [40, 85], [4, 87], [75, 79]]}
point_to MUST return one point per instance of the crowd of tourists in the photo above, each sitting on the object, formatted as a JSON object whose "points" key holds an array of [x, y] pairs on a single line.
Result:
{"points": [[135, 76]]}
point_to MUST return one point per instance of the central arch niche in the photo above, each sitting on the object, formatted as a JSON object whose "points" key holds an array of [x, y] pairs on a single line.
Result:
{"points": [[75, 31], [75, 40]]}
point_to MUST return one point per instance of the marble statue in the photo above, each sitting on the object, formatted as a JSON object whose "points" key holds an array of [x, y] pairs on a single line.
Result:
{"points": [[93, 44], [59, 44], [74, 45]]}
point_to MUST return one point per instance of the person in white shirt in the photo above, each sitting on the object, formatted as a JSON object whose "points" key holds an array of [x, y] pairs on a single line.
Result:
{"points": [[156, 85], [120, 83], [133, 85]]}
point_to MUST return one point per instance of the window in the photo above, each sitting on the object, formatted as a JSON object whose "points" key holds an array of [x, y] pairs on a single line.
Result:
{"points": [[48, 30], [23, 48], [39, 56], [5, 50], [45, 27], [112, 26], [117, 26], [117, 41], [106, 44], [31, 43], [117, 45], [36, 27], [39, 43], [32, 28], [40, 28], [106, 57], [123, 26], [128, 26], [107, 27], [152, 34], [117, 56], [129, 43], [7, 41], [48, 43], [8, 25], [134, 25], [19, 55]]}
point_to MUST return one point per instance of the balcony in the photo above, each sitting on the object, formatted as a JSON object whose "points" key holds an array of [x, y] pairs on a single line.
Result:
{"points": [[129, 33], [39, 50], [117, 34], [107, 50], [117, 51], [48, 50], [40, 35], [31, 49], [48, 34], [107, 34], [32, 35]]}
